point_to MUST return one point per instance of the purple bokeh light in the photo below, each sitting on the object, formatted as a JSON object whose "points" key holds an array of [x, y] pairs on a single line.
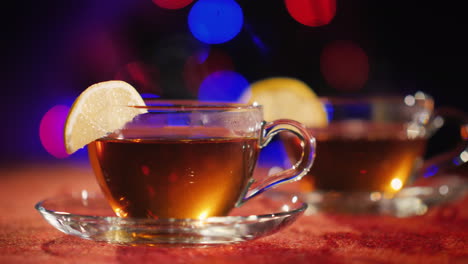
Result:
{"points": [[51, 131]]}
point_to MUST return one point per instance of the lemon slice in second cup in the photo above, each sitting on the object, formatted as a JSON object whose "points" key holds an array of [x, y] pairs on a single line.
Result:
{"points": [[284, 97]]}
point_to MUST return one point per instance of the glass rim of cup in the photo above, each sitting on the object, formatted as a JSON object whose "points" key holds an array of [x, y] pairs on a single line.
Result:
{"points": [[393, 98], [189, 105]]}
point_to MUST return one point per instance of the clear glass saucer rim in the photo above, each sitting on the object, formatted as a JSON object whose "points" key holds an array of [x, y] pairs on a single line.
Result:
{"points": [[301, 207], [196, 232]]}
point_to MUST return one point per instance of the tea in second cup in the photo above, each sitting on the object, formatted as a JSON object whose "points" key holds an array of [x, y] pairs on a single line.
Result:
{"points": [[372, 144]]}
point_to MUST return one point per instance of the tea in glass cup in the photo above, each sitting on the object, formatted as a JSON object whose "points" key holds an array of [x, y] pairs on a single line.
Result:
{"points": [[358, 156], [371, 144], [188, 159]]}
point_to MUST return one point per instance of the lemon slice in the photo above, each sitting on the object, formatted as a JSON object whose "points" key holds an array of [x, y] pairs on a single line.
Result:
{"points": [[284, 97], [99, 110]]}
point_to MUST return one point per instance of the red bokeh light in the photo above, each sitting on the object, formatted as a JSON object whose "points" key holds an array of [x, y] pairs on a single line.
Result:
{"points": [[344, 65], [313, 13], [51, 131], [172, 4], [145, 78], [96, 55], [197, 68]]}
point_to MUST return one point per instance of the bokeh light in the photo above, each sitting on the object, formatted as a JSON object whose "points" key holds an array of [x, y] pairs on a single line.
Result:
{"points": [[312, 13], [201, 64], [145, 78], [96, 56], [344, 65], [172, 4], [215, 21], [274, 154], [396, 184], [51, 131], [223, 86]]}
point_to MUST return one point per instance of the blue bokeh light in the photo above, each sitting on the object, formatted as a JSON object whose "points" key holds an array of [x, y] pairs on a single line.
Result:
{"points": [[149, 96], [274, 154], [329, 109], [431, 171], [215, 21], [223, 86]]}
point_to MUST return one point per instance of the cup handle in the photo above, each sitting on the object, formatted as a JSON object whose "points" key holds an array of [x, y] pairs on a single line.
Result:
{"points": [[297, 171], [449, 161]]}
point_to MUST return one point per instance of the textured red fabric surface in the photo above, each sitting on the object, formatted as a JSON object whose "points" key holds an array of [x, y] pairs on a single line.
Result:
{"points": [[440, 236]]}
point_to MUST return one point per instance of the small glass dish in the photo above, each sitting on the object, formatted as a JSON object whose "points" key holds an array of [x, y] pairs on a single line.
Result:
{"points": [[413, 200], [88, 215]]}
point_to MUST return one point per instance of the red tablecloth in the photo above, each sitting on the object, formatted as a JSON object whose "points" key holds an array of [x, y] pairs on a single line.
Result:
{"points": [[440, 236]]}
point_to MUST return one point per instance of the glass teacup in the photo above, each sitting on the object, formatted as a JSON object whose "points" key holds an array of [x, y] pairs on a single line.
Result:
{"points": [[188, 159], [371, 148]]}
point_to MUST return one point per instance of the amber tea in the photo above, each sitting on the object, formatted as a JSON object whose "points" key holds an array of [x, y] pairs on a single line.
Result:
{"points": [[173, 177], [189, 159], [370, 158]]}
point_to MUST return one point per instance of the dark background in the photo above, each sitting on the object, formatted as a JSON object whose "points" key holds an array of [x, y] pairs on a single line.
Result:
{"points": [[52, 50]]}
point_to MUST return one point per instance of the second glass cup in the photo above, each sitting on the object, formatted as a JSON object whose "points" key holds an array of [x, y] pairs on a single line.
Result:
{"points": [[370, 150], [188, 159]]}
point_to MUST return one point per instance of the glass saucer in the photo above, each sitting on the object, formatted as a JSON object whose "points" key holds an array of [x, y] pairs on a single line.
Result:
{"points": [[88, 215], [410, 201]]}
